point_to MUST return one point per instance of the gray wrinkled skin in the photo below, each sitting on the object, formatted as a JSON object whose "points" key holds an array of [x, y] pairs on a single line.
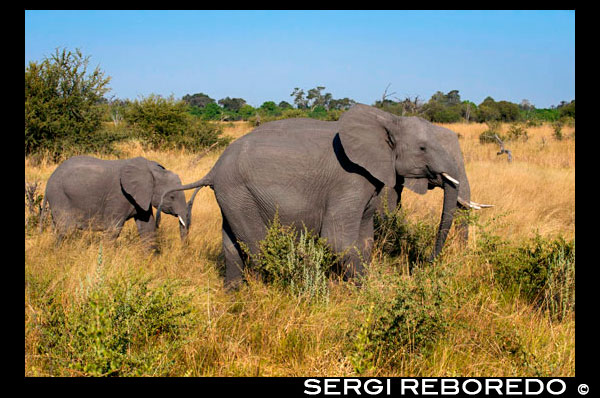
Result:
{"points": [[325, 175], [86, 192], [448, 139]]}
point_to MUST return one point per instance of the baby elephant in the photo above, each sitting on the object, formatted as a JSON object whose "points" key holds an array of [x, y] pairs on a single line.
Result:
{"points": [[85, 192]]}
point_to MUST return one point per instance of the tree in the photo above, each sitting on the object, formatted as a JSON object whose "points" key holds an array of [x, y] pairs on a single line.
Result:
{"points": [[317, 99], [62, 103], [200, 100], [509, 112], [212, 111], [247, 111], [567, 110], [341, 104], [468, 110], [232, 104], [444, 108], [269, 108], [299, 99]]}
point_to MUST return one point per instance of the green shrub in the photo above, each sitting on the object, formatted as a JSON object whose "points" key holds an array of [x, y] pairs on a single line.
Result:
{"points": [[33, 201], [62, 111], [557, 127], [166, 123], [409, 324], [488, 136], [296, 261], [541, 270], [516, 132], [114, 327], [395, 235]]}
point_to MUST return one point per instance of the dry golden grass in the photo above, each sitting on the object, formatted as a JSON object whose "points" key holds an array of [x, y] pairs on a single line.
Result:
{"points": [[262, 331]]}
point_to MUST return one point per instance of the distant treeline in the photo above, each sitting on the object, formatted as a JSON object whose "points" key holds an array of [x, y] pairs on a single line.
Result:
{"points": [[441, 108], [67, 110]]}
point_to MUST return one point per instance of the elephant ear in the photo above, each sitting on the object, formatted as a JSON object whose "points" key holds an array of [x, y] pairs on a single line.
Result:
{"points": [[137, 181], [367, 143], [417, 185]]}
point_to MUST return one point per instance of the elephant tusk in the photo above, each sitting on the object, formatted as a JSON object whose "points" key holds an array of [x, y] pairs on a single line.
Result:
{"points": [[463, 202], [181, 221], [481, 205], [453, 180], [472, 205], [468, 205]]}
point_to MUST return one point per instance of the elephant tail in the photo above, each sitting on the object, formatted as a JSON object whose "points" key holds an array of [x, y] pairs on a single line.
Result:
{"points": [[207, 181]]}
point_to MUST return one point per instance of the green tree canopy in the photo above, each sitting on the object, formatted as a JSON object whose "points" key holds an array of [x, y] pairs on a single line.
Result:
{"points": [[200, 100], [232, 104], [61, 102]]}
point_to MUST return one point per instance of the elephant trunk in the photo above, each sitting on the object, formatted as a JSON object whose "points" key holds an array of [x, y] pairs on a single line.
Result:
{"points": [[206, 181], [450, 203], [184, 229]]}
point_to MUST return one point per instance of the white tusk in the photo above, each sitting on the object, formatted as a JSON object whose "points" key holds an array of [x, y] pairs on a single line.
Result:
{"points": [[463, 202], [472, 205], [450, 179], [480, 205], [181, 221]]}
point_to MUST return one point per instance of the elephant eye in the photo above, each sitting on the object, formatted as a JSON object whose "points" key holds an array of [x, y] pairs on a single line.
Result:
{"points": [[422, 148]]}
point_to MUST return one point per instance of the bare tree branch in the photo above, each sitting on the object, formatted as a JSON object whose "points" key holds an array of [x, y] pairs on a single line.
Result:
{"points": [[502, 149], [385, 94]]}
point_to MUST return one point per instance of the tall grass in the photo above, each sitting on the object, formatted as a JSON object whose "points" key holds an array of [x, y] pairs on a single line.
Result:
{"points": [[127, 312]]}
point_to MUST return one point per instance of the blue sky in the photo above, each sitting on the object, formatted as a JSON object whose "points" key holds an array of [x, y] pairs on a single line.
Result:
{"points": [[263, 55]]}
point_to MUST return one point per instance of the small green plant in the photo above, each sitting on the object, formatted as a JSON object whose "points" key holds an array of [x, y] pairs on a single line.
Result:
{"points": [[298, 261], [396, 235], [517, 132], [489, 135], [557, 127], [542, 270], [113, 327], [33, 201], [409, 324]]}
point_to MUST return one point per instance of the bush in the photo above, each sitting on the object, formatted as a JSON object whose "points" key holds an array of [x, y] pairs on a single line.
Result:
{"points": [[557, 127], [488, 136], [409, 324], [33, 201], [62, 109], [395, 235], [164, 122], [540, 270], [296, 261], [517, 131], [115, 327]]}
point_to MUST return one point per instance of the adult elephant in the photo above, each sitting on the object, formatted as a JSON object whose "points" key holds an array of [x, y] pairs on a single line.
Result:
{"points": [[86, 192], [327, 176], [448, 139]]}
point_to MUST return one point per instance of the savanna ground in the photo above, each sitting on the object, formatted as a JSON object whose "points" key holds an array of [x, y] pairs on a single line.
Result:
{"points": [[95, 307]]}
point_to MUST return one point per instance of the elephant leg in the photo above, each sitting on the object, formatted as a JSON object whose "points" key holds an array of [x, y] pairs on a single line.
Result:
{"points": [[234, 263], [147, 230], [241, 223], [60, 222], [366, 236], [114, 229], [343, 238]]}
